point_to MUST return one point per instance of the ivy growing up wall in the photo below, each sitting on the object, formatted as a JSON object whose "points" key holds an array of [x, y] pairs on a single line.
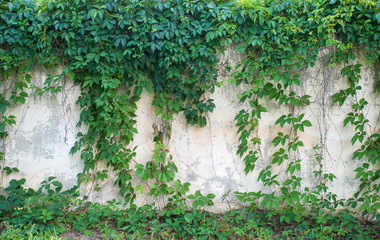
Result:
{"points": [[115, 50]]}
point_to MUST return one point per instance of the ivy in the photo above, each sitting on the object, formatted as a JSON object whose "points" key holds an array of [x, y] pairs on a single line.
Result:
{"points": [[115, 50], [279, 39]]}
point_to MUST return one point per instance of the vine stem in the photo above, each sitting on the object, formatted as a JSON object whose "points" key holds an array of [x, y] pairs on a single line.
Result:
{"points": [[2, 169]]}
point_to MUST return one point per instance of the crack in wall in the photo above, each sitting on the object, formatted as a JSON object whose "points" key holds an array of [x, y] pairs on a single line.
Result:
{"points": [[211, 143]]}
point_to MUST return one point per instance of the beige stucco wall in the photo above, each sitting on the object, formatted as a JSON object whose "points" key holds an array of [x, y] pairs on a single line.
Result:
{"points": [[40, 142]]}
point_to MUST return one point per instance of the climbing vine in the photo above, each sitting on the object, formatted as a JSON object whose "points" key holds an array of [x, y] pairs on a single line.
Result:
{"points": [[285, 39], [115, 50]]}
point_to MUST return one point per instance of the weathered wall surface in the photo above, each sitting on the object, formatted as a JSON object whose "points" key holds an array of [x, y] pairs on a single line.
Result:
{"points": [[45, 130], [40, 142]]}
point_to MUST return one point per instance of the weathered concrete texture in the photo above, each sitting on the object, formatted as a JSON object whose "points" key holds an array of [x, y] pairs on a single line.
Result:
{"points": [[45, 130], [206, 157]]}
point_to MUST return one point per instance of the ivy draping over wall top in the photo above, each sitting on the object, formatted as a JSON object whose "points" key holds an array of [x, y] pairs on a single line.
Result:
{"points": [[116, 49]]}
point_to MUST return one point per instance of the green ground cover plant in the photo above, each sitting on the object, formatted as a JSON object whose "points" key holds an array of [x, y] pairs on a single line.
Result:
{"points": [[50, 213], [114, 50]]}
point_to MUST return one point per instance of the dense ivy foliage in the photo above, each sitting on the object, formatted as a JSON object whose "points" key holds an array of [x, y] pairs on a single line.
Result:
{"points": [[116, 49]]}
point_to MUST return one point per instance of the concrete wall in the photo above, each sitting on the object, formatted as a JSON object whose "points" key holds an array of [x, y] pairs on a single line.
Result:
{"points": [[40, 142], [45, 130]]}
